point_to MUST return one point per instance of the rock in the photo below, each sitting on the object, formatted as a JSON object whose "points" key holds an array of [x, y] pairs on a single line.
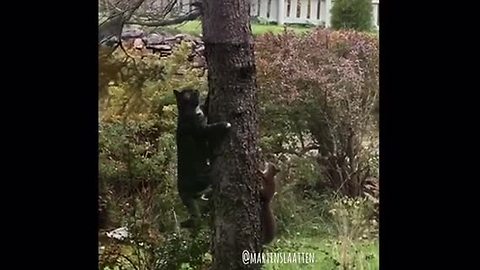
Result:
{"points": [[154, 39], [200, 49], [198, 41], [161, 47], [138, 44], [132, 33], [119, 234], [170, 39], [180, 36]]}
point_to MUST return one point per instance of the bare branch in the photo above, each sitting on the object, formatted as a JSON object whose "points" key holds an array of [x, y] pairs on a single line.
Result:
{"points": [[168, 8], [128, 55], [188, 17], [112, 27]]}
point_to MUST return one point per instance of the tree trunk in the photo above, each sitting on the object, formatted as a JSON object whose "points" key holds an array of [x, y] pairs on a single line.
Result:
{"points": [[232, 97]]}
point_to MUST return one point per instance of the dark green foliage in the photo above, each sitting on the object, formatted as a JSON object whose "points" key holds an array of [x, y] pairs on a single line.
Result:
{"points": [[352, 14]]}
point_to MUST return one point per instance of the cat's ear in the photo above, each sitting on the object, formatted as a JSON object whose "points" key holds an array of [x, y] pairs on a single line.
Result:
{"points": [[176, 93]]}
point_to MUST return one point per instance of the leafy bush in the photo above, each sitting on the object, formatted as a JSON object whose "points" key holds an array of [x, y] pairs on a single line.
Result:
{"points": [[138, 85], [137, 155], [174, 251], [318, 93], [137, 124], [352, 14]]}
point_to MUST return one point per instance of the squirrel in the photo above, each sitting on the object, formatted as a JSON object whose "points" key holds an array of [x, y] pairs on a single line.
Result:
{"points": [[267, 192]]}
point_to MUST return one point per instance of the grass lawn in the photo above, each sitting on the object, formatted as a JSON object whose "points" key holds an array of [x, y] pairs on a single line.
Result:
{"points": [[195, 28], [329, 254]]}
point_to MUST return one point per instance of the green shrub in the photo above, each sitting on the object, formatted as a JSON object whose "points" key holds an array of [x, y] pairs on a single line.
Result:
{"points": [[137, 161], [137, 123], [352, 14], [174, 251]]}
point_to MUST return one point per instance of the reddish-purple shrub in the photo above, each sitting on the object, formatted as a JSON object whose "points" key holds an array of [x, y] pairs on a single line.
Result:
{"points": [[321, 89]]}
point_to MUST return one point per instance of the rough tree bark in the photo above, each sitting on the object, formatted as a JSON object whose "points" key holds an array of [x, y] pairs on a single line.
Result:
{"points": [[229, 53]]}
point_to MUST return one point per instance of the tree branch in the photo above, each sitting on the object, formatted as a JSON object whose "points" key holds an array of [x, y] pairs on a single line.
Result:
{"points": [[168, 8], [188, 17], [114, 24]]}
